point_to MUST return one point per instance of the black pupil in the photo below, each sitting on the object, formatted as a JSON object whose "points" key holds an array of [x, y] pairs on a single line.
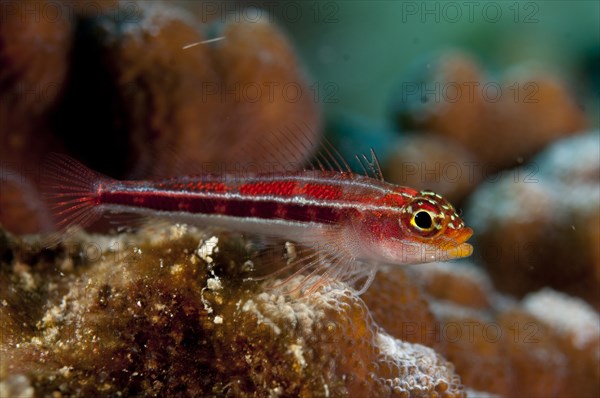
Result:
{"points": [[423, 220]]}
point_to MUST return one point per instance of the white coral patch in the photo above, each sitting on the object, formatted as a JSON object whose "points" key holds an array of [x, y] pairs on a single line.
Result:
{"points": [[214, 283], [206, 249], [569, 316], [296, 350], [420, 366]]}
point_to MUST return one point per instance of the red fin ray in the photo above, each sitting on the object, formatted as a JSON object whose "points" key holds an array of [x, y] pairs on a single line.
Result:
{"points": [[371, 168], [71, 191]]}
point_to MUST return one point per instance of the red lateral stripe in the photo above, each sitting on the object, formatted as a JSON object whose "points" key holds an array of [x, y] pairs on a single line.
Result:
{"points": [[291, 188], [266, 209], [321, 191], [277, 188]]}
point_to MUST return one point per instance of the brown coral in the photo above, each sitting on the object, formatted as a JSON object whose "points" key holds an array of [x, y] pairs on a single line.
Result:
{"points": [[179, 109], [496, 344], [35, 40], [134, 73], [167, 312], [267, 96], [137, 102], [399, 306], [576, 336], [21, 208], [461, 283], [502, 122], [535, 226], [427, 161]]}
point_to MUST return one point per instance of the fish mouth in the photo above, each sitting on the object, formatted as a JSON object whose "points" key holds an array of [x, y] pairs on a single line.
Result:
{"points": [[457, 246], [460, 251]]}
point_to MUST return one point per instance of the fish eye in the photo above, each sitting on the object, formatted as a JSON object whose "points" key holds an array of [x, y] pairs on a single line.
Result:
{"points": [[424, 221], [424, 217]]}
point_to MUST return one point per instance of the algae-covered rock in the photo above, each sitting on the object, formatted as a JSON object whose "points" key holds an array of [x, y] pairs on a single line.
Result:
{"points": [[169, 311], [173, 310]]}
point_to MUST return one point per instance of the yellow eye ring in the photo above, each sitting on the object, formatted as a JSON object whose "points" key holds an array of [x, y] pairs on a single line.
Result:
{"points": [[423, 220]]}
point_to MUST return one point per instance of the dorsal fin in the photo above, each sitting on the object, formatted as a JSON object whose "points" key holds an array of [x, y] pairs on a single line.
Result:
{"points": [[296, 142], [293, 147], [328, 150], [371, 168], [300, 146]]}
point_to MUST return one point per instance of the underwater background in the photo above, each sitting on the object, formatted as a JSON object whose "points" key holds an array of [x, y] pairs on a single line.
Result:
{"points": [[493, 104]]}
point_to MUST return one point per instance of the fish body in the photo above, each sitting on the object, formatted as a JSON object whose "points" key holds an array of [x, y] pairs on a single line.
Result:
{"points": [[354, 221]]}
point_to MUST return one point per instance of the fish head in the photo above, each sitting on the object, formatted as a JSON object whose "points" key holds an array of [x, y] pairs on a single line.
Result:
{"points": [[429, 222], [421, 227]]}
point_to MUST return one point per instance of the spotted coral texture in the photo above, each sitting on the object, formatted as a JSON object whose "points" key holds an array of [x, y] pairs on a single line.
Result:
{"points": [[167, 312]]}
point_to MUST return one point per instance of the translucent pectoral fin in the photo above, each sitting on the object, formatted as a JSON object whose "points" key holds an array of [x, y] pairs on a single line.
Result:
{"points": [[305, 269]]}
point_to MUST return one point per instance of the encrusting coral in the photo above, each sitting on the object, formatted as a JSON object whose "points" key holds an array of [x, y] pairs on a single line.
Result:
{"points": [[539, 225], [497, 344], [168, 311], [503, 121], [174, 310]]}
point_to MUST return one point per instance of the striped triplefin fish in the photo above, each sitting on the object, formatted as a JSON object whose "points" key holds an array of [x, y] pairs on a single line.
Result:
{"points": [[356, 221]]}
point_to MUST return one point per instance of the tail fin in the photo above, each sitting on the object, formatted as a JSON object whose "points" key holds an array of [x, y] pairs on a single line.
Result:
{"points": [[71, 191]]}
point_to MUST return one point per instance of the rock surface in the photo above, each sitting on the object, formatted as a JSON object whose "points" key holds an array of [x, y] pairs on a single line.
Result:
{"points": [[167, 311]]}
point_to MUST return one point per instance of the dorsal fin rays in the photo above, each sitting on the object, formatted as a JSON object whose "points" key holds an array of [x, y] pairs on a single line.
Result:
{"points": [[283, 149], [375, 165], [324, 161], [298, 145], [286, 149], [312, 163], [326, 157], [331, 151], [371, 168]]}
